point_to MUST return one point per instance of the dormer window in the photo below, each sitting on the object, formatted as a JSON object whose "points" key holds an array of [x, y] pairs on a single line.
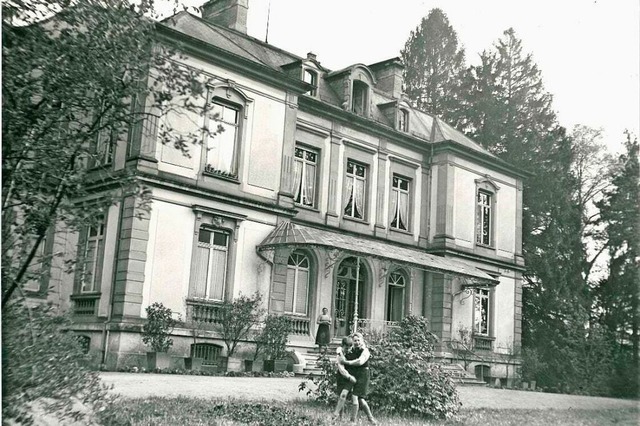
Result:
{"points": [[360, 97], [311, 77], [403, 120]]}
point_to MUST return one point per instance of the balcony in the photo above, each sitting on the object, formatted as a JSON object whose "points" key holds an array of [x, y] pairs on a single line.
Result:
{"points": [[85, 305], [483, 343], [300, 325], [368, 326], [203, 311]]}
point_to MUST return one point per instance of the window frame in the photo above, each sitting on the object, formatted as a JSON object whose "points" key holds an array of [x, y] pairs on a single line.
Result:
{"points": [[298, 200], [353, 176], [362, 90], [480, 294], [98, 255], [403, 120], [397, 191], [213, 140], [393, 287], [313, 80], [296, 269], [211, 247]]}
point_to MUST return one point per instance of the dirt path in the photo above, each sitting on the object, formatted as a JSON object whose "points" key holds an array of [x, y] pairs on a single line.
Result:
{"points": [[131, 385]]}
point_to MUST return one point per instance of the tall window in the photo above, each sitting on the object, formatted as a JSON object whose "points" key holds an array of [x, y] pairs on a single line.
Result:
{"points": [[483, 218], [210, 264], [403, 120], [481, 314], [222, 148], [105, 146], [92, 257], [354, 191], [304, 176], [360, 97], [311, 77], [296, 299], [400, 203], [395, 299]]}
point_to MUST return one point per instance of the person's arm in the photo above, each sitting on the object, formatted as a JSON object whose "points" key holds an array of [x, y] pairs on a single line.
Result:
{"points": [[343, 371], [364, 357]]}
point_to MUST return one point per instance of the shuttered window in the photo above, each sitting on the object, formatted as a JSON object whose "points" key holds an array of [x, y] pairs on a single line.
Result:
{"points": [[210, 265], [296, 299]]}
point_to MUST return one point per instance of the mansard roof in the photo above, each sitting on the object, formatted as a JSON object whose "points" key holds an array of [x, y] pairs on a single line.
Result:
{"points": [[429, 129]]}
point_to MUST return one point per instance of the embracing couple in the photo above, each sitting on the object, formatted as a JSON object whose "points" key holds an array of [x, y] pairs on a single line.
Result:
{"points": [[353, 376]]}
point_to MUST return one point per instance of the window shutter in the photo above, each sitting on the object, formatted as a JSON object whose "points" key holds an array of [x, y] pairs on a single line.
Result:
{"points": [[288, 291], [218, 273], [200, 268], [303, 291]]}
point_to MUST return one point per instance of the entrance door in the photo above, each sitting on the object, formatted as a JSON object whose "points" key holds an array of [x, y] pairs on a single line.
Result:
{"points": [[350, 272]]}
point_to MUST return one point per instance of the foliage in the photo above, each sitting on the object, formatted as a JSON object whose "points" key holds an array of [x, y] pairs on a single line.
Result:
{"points": [[323, 388], [238, 317], [433, 66], [43, 361], [618, 295], [65, 126], [274, 336], [156, 331], [403, 380]]}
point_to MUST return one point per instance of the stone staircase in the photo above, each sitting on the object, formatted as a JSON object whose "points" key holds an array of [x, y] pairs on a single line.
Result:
{"points": [[462, 376], [312, 356]]}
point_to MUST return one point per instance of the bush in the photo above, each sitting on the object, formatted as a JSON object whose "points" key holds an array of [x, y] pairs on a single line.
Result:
{"points": [[403, 378], [237, 318], [42, 359], [158, 328], [274, 336]]}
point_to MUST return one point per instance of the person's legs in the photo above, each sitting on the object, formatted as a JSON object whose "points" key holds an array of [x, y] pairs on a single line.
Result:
{"points": [[341, 401], [367, 410], [354, 408]]}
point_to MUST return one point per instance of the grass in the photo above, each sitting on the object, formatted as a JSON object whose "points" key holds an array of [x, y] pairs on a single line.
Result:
{"points": [[186, 411]]}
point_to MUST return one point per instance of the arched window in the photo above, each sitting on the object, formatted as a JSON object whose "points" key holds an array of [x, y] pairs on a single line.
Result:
{"points": [[296, 300], [403, 120], [395, 299]]}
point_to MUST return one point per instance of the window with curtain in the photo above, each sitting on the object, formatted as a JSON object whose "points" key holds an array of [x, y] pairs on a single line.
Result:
{"points": [[304, 176], [354, 190], [296, 299], [483, 218], [210, 264], [395, 298], [92, 257], [400, 203], [222, 147], [481, 314]]}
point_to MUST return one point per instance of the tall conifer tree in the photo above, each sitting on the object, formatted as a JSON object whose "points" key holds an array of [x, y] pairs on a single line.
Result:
{"points": [[433, 66]]}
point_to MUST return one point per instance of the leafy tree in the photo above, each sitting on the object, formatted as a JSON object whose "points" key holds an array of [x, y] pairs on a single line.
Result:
{"points": [[43, 363], [80, 80], [433, 66], [618, 295], [237, 318], [509, 112], [156, 331]]}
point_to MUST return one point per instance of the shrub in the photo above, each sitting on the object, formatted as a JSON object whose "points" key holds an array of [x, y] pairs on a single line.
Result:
{"points": [[237, 317], [403, 378], [42, 359], [274, 336], [158, 328]]}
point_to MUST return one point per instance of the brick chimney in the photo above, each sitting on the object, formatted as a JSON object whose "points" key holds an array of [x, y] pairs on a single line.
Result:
{"points": [[228, 13], [389, 76]]}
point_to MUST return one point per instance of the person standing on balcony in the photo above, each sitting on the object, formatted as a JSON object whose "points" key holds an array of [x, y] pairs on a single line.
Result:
{"points": [[358, 365], [323, 335]]}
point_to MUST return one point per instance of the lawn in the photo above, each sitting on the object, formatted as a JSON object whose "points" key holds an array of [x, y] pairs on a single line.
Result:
{"points": [[231, 412]]}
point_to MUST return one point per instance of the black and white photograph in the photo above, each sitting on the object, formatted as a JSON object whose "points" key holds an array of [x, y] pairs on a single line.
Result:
{"points": [[302, 213]]}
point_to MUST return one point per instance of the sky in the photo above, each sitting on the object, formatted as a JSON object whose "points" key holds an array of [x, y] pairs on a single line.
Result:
{"points": [[588, 51]]}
